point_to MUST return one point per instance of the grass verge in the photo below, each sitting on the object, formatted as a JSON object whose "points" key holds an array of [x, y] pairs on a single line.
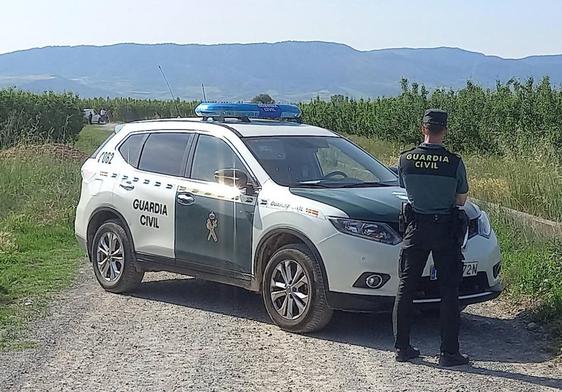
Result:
{"points": [[91, 137], [532, 272], [39, 189]]}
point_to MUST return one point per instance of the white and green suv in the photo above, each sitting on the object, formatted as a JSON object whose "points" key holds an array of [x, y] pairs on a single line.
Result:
{"points": [[293, 211]]}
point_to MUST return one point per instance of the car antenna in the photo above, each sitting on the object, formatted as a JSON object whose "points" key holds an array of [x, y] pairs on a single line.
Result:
{"points": [[204, 95], [170, 89]]}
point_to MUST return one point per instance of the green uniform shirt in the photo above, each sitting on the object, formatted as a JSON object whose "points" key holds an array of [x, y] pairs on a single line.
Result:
{"points": [[433, 177]]}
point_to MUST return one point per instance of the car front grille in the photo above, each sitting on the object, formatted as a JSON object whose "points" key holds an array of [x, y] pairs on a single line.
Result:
{"points": [[428, 289]]}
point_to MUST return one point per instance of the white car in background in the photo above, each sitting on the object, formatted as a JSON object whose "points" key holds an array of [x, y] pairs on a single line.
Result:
{"points": [[96, 118]]}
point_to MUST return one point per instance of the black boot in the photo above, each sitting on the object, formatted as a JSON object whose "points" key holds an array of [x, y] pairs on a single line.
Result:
{"points": [[405, 354], [456, 359]]}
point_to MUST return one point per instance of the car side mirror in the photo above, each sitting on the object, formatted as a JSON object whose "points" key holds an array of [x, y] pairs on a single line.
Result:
{"points": [[232, 177]]}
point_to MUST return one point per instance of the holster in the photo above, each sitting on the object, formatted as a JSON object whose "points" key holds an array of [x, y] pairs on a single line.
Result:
{"points": [[460, 225], [406, 217]]}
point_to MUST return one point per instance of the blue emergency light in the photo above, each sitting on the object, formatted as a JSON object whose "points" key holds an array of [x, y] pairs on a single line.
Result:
{"points": [[246, 111]]}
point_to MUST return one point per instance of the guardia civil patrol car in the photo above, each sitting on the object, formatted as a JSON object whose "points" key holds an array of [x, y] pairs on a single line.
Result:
{"points": [[249, 196]]}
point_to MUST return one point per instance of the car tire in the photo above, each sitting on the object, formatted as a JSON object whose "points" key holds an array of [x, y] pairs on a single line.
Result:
{"points": [[118, 273], [284, 301]]}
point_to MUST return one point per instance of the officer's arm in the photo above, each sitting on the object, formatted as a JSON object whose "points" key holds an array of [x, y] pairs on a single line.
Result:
{"points": [[461, 199], [462, 185]]}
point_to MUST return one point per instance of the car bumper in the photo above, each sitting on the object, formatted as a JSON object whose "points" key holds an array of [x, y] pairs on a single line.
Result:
{"points": [[378, 303], [82, 243], [347, 258]]}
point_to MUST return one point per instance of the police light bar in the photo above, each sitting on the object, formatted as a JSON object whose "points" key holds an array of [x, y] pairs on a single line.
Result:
{"points": [[245, 111]]}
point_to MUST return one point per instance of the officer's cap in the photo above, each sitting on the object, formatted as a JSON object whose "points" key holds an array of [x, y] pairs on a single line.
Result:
{"points": [[435, 117]]}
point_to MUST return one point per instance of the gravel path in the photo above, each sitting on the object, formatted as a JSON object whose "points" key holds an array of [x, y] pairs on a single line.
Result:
{"points": [[177, 333]]}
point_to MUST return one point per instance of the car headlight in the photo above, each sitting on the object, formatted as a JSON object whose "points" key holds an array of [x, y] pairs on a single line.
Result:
{"points": [[376, 231], [484, 227]]}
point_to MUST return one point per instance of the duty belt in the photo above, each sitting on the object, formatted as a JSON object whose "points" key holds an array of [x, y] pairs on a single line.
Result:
{"points": [[437, 218]]}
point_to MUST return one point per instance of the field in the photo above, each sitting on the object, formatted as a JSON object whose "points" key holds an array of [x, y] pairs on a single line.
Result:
{"points": [[39, 188]]}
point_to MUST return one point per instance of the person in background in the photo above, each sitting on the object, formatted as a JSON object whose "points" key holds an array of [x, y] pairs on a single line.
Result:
{"points": [[102, 116]]}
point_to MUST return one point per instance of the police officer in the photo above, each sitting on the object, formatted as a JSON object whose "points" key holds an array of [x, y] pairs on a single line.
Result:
{"points": [[436, 184]]}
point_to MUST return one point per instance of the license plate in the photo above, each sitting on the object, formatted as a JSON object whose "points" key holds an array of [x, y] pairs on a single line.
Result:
{"points": [[469, 268]]}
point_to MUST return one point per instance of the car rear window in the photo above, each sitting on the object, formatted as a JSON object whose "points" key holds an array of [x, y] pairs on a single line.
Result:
{"points": [[131, 148], [165, 153]]}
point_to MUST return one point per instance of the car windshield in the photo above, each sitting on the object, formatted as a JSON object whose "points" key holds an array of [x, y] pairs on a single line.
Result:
{"points": [[318, 161]]}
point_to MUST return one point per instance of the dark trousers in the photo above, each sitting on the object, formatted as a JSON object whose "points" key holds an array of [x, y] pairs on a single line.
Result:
{"points": [[427, 235]]}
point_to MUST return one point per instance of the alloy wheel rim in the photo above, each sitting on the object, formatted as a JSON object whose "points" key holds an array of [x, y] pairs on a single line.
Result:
{"points": [[110, 257], [289, 289]]}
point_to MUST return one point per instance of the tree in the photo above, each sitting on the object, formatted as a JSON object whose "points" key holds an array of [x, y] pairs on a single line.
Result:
{"points": [[263, 98]]}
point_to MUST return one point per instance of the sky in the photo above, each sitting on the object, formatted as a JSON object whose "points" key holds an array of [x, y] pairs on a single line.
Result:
{"points": [[507, 28]]}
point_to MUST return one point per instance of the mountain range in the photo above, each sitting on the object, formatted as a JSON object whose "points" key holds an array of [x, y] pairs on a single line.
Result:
{"points": [[288, 71]]}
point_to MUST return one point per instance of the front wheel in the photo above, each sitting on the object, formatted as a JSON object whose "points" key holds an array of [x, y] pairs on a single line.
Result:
{"points": [[293, 290], [113, 260]]}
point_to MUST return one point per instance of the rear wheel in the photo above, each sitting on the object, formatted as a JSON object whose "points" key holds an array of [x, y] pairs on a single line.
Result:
{"points": [[293, 290], [113, 259]]}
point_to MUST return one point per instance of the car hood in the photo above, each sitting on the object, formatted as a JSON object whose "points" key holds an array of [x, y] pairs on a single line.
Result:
{"points": [[380, 204]]}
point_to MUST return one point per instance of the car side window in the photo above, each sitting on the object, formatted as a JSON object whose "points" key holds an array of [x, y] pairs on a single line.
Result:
{"points": [[165, 153], [212, 154], [131, 148]]}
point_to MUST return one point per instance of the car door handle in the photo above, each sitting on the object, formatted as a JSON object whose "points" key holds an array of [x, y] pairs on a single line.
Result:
{"points": [[185, 199], [127, 186]]}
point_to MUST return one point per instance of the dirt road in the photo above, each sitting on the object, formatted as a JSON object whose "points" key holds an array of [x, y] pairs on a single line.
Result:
{"points": [[177, 333]]}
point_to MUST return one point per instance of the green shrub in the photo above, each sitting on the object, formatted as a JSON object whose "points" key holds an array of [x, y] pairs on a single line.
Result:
{"points": [[130, 109], [32, 117]]}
